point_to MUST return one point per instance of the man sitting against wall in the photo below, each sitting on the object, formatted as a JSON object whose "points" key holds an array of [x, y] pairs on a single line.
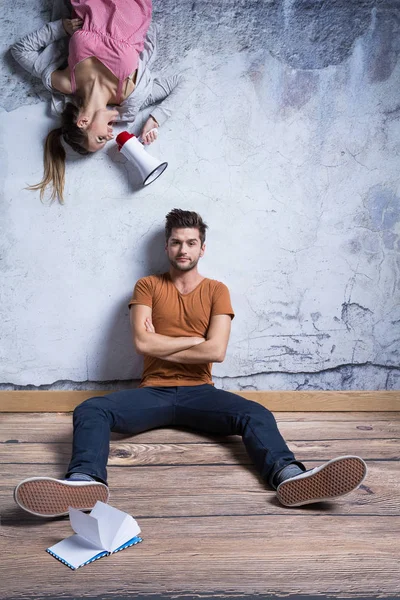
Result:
{"points": [[181, 324]]}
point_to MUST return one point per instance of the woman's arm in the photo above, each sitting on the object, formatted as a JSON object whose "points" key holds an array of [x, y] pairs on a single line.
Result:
{"points": [[167, 95], [61, 81], [36, 51]]}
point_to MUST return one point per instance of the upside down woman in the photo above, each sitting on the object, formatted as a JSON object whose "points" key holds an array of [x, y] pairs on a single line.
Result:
{"points": [[106, 63]]}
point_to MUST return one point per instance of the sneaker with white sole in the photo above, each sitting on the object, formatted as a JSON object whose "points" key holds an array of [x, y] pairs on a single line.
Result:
{"points": [[338, 477], [48, 497]]}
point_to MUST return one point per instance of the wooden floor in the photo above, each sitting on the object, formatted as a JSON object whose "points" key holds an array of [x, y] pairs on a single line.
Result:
{"points": [[210, 526]]}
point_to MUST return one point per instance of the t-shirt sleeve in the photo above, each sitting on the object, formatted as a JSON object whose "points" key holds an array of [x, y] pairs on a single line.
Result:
{"points": [[143, 293], [221, 301]]}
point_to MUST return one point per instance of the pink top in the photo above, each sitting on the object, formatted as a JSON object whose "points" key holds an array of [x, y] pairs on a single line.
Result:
{"points": [[113, 31]]}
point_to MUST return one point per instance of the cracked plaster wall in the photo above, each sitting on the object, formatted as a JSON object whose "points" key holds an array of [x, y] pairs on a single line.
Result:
{"points": [[288, 146]]}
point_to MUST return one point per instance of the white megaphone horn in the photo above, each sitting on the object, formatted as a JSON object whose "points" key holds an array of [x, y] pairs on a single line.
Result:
{"points": [[149, 167]]}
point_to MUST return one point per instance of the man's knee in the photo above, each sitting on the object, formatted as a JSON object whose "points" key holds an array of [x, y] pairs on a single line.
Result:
{"points": [[255, 410], [89, 408]]}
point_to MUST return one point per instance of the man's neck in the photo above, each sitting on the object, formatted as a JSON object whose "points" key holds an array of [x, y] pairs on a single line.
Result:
{"points": [[185, 281]]}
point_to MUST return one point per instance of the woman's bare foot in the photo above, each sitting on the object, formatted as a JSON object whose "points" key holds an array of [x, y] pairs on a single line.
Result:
{"points": [[149, 131]]}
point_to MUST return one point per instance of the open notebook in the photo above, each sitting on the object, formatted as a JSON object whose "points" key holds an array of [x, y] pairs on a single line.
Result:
{"points": [[104, 531]]}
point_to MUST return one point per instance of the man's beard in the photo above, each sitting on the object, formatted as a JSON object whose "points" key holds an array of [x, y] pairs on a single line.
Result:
{"points": [[186, 266]]}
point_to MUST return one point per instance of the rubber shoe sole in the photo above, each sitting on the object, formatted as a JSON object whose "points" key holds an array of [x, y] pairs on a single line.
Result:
{"points": [[335, 478], [48, 497]]}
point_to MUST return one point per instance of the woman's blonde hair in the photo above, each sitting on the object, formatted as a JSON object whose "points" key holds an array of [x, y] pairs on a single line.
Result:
{"points": [[54, 153]]}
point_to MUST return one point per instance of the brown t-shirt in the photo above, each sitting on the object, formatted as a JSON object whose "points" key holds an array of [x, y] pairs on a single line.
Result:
{"points": [[179, 315]]}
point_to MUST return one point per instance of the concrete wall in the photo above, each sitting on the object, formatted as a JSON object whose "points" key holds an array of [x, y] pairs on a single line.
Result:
{"points": [[287, 144]]}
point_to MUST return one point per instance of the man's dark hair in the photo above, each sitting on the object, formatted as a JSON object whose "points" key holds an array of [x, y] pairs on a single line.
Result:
{"points": [[179, 219]]}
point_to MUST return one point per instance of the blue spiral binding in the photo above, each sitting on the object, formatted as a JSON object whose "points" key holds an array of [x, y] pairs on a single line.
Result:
{"points": [[132, 542]]}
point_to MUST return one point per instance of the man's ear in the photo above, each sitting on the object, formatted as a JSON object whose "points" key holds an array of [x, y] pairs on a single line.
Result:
{"points": [[203, 249], [82, 122]]}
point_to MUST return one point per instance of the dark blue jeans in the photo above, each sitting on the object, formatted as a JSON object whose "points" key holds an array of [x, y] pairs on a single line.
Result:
{"points": [[201, 407]]}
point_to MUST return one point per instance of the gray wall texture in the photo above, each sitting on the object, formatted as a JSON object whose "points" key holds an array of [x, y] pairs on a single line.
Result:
{"points": [[287, 144]]}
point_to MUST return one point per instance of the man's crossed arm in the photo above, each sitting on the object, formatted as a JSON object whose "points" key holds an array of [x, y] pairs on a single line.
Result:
{"points": [[184, 350]]}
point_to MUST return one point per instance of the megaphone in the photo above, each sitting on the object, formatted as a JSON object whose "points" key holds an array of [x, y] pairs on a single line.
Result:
{"points": [[149, 167]]}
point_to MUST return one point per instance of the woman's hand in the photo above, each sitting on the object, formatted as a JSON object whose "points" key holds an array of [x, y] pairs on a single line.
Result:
{"points": [[149, 131], [72, 25]]}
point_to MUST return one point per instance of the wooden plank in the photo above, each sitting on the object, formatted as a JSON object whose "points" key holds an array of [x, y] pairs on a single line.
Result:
{"points": [[324, 401], [130, 454], [59, 428], [265, 555], [208, 490], [211, 529], [336, 416], [26, 418]]}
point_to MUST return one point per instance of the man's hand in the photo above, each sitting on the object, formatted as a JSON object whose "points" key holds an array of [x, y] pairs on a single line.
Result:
{"points": [[149, 326], [156, 344], [72, 25], [212, 350]]}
